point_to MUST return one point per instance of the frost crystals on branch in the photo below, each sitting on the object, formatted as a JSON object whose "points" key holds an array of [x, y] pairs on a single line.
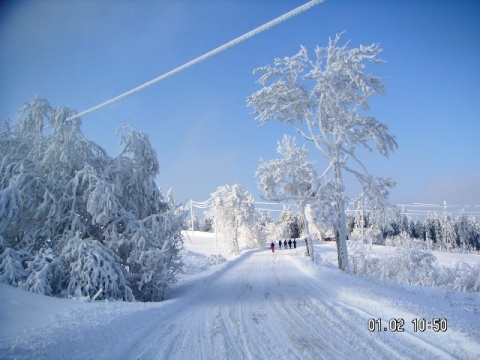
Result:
{"points": [[325, 101]]}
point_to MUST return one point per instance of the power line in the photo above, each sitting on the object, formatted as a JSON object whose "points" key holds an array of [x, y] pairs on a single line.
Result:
{"points": [[199, 59], [262, 209]]}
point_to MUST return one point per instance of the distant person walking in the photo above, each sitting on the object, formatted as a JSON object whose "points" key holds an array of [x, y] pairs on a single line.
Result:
{"points": [[294, 243], [290, 243], [272, 246], [279, 244], [285, 244]]}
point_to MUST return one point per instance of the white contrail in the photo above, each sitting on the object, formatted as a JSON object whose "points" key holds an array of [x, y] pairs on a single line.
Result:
{"points": [[199, 59]]}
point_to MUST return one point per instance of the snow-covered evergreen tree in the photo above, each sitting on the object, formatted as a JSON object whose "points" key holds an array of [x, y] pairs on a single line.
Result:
{"points": [[206, 224], [418, 229], [466, 229], [325, 100], [448, 228], [433, 230], [74, 220]]}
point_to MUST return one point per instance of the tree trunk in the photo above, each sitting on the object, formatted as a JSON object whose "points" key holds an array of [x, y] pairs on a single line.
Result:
{"points": [[341, 222], [337, 242], [235, 240], [307, 231], [342, 241]]}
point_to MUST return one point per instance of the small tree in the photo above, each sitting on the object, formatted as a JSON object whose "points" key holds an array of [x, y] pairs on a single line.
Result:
{"points": [[325, 101], [252, 231], [287, 221], [232, 208], [466, 229], [206, 224], [433, 229], [448, 228], [291, 178]]}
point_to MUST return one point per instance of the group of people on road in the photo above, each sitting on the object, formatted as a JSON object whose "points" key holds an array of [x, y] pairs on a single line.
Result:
{"points": [[285, 244]]}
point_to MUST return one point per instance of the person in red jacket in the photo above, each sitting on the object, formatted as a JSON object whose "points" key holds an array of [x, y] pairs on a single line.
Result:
{"points": [[272, 246]]}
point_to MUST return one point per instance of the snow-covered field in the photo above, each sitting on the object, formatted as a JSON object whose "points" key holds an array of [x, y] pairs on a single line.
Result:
{"points": [[256, 306]]}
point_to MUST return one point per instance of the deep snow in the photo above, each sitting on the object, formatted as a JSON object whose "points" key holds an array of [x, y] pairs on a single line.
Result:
{"points": [[256, 306]]}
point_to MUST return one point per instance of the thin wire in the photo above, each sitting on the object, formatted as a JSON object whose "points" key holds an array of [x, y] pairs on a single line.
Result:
{"points": [[262, 209], [199, 59]]}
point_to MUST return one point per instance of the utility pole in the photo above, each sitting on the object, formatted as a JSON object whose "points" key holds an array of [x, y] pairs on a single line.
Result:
{"points": [[191, 213], [363, 220]]}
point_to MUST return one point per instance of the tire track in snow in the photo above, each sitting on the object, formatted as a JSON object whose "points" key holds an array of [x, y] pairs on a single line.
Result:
{"points": [[266, 306], [356, 307]]}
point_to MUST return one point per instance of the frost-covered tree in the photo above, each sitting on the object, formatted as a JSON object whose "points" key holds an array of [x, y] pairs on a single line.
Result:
{"points": [[418, 229], [325, 100], [290, 222], [233, 208], [466, 229], [433, 229], [252, 231], [448, 228], [74, 220], [475, 240], [287, 222], [206, 224], [273, 231], [290, 178]]}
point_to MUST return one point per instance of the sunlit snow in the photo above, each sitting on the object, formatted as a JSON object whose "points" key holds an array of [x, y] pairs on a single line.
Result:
{"points": [[259, 305]]}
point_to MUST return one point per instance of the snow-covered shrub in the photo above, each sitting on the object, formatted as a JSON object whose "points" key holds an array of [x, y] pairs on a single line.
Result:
{"points": [[411, 264], [362, 260], [216, 259], [467, 278], [398, 240], [462, 277], [62, 193], [357, 257], [371, 235]]}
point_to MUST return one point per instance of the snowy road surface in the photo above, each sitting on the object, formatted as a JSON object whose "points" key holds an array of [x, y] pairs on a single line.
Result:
{"points": [[257, 306]]}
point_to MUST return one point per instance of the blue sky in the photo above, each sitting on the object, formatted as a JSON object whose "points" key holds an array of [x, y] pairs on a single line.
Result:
{"points": [[81, 53]]}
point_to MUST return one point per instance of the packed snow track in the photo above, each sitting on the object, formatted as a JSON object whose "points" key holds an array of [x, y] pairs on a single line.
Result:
{"points": [[266, 306], [257, 306]]}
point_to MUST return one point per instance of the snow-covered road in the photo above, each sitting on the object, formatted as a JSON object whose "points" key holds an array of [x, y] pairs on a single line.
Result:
{"points": [[259, 306], [268, 306]]}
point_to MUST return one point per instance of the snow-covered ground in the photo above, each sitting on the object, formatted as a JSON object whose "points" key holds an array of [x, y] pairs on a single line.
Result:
{"points": [[256, 306]]}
